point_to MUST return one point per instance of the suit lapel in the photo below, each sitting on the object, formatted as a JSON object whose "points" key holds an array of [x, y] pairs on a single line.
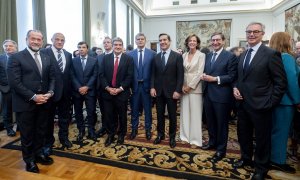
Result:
{"points": [[170, 58], [208, 61], [256, 59], [44, 62], [31, 61], [135, 58], [121, 63]]}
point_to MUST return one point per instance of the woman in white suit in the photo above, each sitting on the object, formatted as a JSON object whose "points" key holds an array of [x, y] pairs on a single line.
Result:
{"points": [[192, 102]]}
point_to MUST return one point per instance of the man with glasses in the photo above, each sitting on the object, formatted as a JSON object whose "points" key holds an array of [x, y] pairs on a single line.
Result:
{"points": [[260, 86]]}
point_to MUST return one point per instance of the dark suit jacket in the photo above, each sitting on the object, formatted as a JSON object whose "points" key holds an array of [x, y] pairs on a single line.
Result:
{"points": [[4, 87], [87, 77], [149, 56], [99, 59], [124, 75], [169, 79], [63, 85], [25, 80], [225, 67], [264, 84]]}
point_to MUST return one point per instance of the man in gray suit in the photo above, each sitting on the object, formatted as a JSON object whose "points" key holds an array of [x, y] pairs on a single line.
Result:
{"points": [[10, 47]]}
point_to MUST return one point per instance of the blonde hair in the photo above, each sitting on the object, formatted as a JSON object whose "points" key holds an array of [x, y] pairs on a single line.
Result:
{"points": [[281, 41]]}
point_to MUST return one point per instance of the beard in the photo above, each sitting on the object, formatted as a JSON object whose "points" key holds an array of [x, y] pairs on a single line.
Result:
{"points": [[34, 48]]}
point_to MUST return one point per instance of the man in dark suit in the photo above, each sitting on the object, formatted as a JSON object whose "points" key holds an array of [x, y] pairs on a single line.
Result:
{"points": [[219, 74], [116, 74], [166, 86], [62, 94], [84, 76], [10, 47], [107, 44], [260, 86], [141, 85], [31, 76]]}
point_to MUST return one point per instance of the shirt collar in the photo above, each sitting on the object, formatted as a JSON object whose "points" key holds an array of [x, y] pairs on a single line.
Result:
{"points": [[255, 48]]}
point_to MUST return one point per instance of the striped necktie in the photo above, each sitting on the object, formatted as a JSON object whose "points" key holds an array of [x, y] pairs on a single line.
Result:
{"points": [[59, 61]]}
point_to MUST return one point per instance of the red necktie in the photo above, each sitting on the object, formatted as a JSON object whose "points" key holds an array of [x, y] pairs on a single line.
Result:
{"points": [[114, 79]]}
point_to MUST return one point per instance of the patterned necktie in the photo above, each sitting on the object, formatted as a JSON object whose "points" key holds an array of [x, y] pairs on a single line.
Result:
{"points": [[247, 60], [213, 60], [114, 79], [83, 63], [60, 62], [140, 70], [38, 64], [163, 60]]}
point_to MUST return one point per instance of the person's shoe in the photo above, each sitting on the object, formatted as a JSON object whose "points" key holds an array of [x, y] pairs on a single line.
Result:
{"points": [[133, 134], [92, 135], [148, 134], [172, 142], [80, 136], [207, 147], [10, 132], [66, 143], [44, 160], [32, 167], [242, 163], [283, 167], [120, 140], [47, 151], [217, 157], [101, 132], [258, 176], [110, 139], [158, 139]]}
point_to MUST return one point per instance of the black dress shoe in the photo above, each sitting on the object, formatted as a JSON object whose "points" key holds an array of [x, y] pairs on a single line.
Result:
{"points": [[32, 167], [110, 139], [120, 140], [258, 176], [10, 132], [80, 136], [172, 142], [66, 143], [148, 134], [47, 151], [158, 139], [101, 132], [217, 157], [133, 134], [92, 135], [207, 147], [45, 160], [242, 163], [283, 167]]}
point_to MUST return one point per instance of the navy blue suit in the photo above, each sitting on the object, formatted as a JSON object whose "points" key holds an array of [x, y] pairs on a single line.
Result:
{"points": [[141, 88], [25, 81], [116, 103], [80, 78], [61, 99], [218, 97], [6, 101]]}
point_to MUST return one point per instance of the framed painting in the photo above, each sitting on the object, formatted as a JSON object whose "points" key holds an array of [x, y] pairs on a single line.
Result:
{"points": [[204, 29], [292, 22]]}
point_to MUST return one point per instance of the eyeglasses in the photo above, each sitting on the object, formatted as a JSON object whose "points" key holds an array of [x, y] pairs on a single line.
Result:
{"points": [[255, 32]]}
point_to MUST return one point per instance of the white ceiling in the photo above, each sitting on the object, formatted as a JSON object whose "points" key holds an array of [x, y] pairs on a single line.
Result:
{"points": [[155, 8]]}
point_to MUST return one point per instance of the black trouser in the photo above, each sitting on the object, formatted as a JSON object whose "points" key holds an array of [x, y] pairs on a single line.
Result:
{"points": [[7, 110]]}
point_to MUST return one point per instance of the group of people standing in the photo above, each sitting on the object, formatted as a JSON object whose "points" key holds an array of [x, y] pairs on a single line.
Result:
{"points": [[263, 82]]}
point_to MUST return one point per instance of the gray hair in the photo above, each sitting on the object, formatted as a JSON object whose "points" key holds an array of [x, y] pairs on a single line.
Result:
{"points": [[117, 39], [9, 40], [263, 27], [140, 34], [34, 30]]}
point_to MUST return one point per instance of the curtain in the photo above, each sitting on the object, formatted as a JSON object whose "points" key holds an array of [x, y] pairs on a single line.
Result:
{"points": [[113, 19], [39, 17], [8, 21], [86, 21]]}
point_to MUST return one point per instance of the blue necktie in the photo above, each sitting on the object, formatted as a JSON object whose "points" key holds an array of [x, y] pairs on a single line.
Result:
{"points": [[59, 61], [83, 63], [140, 70], [213, 60], [163, 60], [247, 60]]}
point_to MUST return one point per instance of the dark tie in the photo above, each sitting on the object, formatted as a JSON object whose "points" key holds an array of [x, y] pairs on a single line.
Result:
{"points": [[83, 63], [163, 60], [140, 74], [38, 64], [114, 79], [247, 60], [213, 60], [59, 61]]}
